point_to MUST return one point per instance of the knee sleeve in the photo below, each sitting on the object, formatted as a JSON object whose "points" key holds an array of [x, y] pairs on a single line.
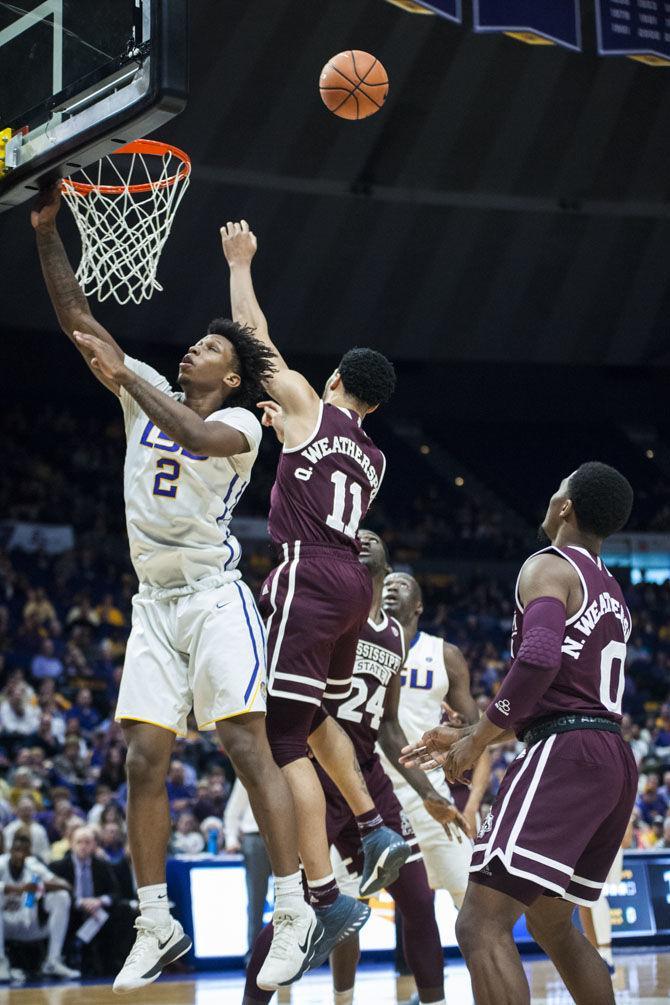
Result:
{"points": [[600, 912], [289, 724]]}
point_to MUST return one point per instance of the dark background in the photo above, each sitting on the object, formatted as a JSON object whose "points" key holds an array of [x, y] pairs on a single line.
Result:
{"points": [[510, 203]]}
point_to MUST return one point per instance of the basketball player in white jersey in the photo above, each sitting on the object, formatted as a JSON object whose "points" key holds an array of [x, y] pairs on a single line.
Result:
{"points": [[434, 671], [197, 641]]}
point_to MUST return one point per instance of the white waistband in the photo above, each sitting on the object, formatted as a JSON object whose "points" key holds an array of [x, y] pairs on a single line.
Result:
{"points": [[208, 583]]}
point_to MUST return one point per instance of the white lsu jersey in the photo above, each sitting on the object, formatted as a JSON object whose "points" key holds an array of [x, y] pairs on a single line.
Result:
{"points": [[424, 682], [179, 505]]}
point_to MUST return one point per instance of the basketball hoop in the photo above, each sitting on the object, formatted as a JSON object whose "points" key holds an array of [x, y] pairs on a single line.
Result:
{"points": [[124, 211]]}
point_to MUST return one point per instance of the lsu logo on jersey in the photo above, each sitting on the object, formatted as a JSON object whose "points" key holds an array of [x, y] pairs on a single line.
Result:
{"points": [[418, 678], [153, 438]]}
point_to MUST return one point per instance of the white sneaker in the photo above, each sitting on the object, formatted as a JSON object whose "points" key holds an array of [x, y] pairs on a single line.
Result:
{"points": [[4, 969], [154, 948], [294, 943], [56, 968]]}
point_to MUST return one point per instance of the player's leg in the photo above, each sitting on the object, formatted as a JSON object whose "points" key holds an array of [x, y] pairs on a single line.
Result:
{"points": [[343, 964], [484, 933], [384, 850], [160, 939], [289, 725], [57, 906], [153, 706], [421, 938], [583, 970]]}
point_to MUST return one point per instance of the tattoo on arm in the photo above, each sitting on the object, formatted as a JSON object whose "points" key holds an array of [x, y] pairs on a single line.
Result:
{"points": [[66, 295]]}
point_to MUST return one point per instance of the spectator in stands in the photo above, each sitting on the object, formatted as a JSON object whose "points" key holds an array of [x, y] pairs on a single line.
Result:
{"points": [[664, 789], [113, 842], [180, 793], [20, 874], [82, 613], [187, 839], [69, 768], [109, 614], [651, 803], [50, 735], [18, 718], [103, 797], [24, 783], [63, 845], [26, 811], [113, 772], [46, 663], [40, 607], [95, 888], [665, 840], [83, 711]]}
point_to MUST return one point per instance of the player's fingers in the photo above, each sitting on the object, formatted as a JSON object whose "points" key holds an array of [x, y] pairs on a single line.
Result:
{"points": [[244, 226]]}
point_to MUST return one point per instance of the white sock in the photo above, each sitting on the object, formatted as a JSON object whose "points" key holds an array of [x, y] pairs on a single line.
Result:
{"points": [[289, 893], [344, 997], [606, 953], [442, 1001], [154, 904]]}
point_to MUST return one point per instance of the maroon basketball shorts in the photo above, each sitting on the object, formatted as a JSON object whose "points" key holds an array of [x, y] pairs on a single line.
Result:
{"points": [[341, 825], [559, 818], [315, 603]]}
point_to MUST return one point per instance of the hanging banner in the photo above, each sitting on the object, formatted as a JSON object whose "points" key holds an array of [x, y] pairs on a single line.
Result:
{"points": [[537, 22], [639, 29], [452, 9]]}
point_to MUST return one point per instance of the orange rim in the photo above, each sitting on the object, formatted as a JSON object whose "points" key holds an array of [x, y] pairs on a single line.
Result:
{"points": [[151, 147]]}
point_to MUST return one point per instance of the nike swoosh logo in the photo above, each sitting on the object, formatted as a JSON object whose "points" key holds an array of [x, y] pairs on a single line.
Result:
{"points": [[223, 603], [161, 896], [303, 948], [162, 945]]}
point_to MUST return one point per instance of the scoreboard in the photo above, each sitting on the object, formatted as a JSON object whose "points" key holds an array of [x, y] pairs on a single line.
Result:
{"points": [[636, 28], [539, 22], [640, 903]]}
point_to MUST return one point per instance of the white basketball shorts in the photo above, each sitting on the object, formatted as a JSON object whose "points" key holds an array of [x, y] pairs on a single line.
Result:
{"points": [[203, 651], [446, 860]]}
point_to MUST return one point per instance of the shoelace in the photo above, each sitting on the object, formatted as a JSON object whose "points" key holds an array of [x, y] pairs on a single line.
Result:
{"points": [[146, 929], [283, 939]]}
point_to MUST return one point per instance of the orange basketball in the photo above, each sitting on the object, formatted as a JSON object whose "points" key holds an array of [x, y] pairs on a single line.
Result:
{"points": [[353, 84]]}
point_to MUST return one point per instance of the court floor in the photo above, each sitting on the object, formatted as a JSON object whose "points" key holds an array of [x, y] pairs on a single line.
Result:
{"points": [[641, 977]]}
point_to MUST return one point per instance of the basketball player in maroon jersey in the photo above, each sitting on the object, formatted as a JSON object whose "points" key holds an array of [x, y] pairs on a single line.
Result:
{"points": [[369, 715], [564, 805], [317, 600]]}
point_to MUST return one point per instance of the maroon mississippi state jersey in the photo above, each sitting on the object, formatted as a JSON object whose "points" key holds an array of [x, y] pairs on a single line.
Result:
{"points": [[324, 487], [379, 655], [591, 677]]}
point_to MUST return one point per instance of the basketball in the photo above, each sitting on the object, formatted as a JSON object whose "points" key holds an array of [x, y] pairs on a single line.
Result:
{"points": [[353, 84]]}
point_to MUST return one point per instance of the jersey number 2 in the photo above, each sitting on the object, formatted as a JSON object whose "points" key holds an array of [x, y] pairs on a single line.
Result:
{"points": [[336, 518], [170, 472], [612, 660]]}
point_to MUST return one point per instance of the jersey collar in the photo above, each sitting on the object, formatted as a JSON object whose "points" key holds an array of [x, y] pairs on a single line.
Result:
{"points": [[415, 640], [382, 624]]}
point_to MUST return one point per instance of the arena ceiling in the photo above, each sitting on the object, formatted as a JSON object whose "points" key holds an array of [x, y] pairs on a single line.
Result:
{"points": [[509, 203]]}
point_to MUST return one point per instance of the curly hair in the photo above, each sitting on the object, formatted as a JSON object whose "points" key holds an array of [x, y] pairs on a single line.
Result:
{"points": [[602, 498], [368, 376], [254, 361]]}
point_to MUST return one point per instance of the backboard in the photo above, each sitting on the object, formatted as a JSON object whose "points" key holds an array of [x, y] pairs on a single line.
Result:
{"points": [[80, 78]]}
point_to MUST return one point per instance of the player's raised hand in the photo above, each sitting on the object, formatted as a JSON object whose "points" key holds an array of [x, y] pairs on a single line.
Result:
{"points": [[273, 417], [103, 358], [45, 208], [448, 815], [239, 243]]}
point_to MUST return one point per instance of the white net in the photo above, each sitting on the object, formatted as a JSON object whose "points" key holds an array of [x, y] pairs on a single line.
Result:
{"points": [[124, 209]]}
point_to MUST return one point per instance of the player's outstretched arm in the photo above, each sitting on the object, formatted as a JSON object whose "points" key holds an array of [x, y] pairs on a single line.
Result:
{"points": [[392, 740], [67, 298], [180, 423], [293, 392]]}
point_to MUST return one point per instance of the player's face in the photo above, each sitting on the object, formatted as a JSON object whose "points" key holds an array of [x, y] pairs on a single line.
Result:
{"points": [[399, 596], [209, 364], [553, 519], [372, 552]]}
